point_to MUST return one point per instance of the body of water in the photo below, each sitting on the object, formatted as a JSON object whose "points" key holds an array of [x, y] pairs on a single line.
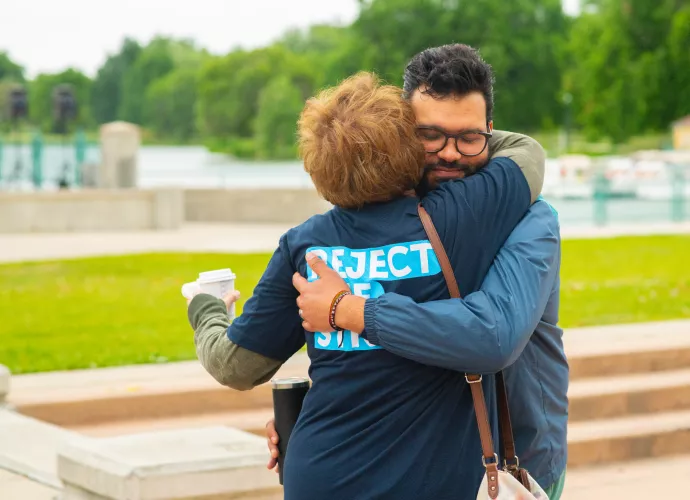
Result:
{"points": [[195, 167]]}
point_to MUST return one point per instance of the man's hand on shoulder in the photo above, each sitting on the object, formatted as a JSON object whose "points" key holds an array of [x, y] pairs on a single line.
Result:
{"points": [[316, 299]]}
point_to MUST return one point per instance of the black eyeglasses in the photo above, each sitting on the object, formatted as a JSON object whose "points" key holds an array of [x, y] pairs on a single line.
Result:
{"points": [[471, 143]]}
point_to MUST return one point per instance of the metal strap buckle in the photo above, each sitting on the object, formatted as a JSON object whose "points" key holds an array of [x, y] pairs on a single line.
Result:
{"points": [[513, 466], [494, 462], [467, 378]]}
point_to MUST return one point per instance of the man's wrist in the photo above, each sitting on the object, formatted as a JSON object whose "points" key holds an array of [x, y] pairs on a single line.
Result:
{"points": [[349, 315]]}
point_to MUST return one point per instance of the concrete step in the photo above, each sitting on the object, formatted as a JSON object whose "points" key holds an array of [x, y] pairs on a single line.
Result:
{"points": [[590, 399], [177, 390], [640, 480], [590, 442], [253, 421], [28, 447], [630, 438], [91, 397], [611, 397], [183, 464], [627, 349]]}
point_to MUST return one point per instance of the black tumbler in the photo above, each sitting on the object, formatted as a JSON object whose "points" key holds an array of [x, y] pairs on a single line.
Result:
{"points": [[288, 395]]}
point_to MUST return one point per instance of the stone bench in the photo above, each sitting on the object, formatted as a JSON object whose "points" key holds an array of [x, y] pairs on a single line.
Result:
{"points": [[210, 463]]}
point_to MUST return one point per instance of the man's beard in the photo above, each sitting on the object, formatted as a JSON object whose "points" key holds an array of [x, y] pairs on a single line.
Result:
{"points": [[425, 185]]}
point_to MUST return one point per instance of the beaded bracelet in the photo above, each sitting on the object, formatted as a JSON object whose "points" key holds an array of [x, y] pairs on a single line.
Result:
{"points": [[336, 300]]}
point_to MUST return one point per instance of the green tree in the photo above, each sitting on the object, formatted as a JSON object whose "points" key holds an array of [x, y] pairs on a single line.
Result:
{"points": [[332, 52], [41, 97], [186, 54], [155, 61], [603, 82], [106, 96], [170, 101], [227, 93], [9, 70], [280, 104], [229, 90], [389, 32], [678, 43], [629, 63], [170, 105], [523, 41]]}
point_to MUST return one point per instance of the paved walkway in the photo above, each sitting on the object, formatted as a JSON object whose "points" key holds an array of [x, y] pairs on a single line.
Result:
{"points": [[643, 480], [16, 487], [234, 238]]}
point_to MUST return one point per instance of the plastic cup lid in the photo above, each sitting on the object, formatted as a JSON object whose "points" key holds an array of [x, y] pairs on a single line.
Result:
{"points": [[290, 382], [217, 275]]}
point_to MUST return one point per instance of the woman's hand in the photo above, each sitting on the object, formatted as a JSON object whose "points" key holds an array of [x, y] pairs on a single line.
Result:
{"points": [[230, 298], [272, 439], [316, 297]]}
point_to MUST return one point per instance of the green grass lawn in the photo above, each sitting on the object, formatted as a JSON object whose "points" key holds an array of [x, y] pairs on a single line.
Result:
{"points": [[122, 310]]}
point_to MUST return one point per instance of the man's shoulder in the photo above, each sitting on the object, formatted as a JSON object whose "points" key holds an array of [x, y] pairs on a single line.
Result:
{"points": [[542, 202], [542, 211], [540, 220]]}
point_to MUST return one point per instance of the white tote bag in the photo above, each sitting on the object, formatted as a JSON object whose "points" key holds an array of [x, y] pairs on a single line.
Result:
{"points": [[510, 488]]}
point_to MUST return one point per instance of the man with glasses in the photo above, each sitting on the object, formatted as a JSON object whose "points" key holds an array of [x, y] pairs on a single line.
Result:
{"points": [[512, 322], [467, 143]]}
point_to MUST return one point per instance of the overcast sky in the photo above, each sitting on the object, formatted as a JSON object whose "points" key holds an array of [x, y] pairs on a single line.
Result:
{"points": [[51, 35]]}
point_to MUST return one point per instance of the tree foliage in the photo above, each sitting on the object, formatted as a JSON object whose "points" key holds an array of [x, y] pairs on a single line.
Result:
{"points": [[107, 86], [10, 70], [155, 61], [625, 63], [244, 76], [630, 66], [170, 105], [280, 104]]}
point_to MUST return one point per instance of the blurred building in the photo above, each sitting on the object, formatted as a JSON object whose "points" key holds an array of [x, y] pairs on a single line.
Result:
{"points": [[681, 133]]}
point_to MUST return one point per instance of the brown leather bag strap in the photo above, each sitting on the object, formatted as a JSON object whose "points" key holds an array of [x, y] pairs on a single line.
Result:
{"points": [[440, 252], [507, 441], [489, 458]]}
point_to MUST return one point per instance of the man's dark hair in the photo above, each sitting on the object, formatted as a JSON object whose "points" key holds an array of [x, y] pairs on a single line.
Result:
{"points": [[455, 69]]}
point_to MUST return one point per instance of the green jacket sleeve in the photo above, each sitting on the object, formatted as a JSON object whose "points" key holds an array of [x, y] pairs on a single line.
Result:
{"points": [[226, 362], [524, 151]]}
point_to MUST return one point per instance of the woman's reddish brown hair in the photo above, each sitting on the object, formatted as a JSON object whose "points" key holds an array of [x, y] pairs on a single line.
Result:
{"points": [[359, 143]]}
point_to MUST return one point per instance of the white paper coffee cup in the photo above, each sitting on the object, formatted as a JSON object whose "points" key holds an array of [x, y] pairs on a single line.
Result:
{"points": [[217, 283]]}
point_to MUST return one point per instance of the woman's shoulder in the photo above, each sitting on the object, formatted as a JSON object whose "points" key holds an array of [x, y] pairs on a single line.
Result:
{"points": [[297, 239]]}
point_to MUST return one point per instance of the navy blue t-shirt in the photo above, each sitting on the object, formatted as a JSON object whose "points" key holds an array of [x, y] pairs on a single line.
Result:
{"points": [[375, 425]]}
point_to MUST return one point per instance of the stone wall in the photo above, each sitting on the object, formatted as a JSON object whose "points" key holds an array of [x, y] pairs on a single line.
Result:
{"points": [[157, 209], [290, 206], [91, 210]]}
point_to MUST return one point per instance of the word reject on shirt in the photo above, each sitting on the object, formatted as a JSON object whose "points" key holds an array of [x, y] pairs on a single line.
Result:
{"points": [[363, 270]]}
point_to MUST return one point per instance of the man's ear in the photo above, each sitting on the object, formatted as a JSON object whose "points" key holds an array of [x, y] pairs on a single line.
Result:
{"points": [[491, 126]]}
